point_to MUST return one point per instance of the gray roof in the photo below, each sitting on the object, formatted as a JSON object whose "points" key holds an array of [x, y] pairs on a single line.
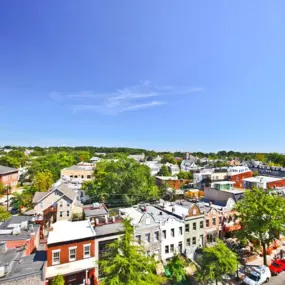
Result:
{"points": [[6, 170], [95, 212], [38, 196], [67, 191], [23, 267], [80, 167], [109, 229]]}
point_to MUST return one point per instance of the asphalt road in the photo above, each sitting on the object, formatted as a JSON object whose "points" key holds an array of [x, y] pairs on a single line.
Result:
{"points": [[277, 280]]}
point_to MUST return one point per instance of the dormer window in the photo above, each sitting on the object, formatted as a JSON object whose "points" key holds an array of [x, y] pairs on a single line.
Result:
{"points": [[147, 221]]}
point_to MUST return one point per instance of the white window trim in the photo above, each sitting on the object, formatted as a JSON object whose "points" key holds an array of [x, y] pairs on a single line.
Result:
{"points": [[84, 246], [71, 248], [55, 251]]}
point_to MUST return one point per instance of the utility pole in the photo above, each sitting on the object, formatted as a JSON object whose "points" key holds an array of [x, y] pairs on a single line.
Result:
{"points": [[7, 191]]}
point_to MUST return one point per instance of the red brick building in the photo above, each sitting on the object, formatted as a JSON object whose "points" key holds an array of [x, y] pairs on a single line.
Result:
{"points": [[237, 174], [9, 176], [172, 182], [71, 252]]}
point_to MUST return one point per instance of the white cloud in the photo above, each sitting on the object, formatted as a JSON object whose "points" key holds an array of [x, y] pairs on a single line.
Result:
{"points": [[129, 98]]}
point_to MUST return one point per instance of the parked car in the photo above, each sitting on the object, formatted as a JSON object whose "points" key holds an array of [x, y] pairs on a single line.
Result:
{"points": [[258, 276], [277, 266]]}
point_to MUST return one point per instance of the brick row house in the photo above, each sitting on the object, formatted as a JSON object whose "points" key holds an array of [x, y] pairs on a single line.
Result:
{"points": [[71, 252], [9, 176]]}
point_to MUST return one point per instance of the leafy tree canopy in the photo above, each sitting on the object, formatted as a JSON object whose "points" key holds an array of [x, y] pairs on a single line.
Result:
{"points": [[262, 217], [4, 214], [168, 158], [164, 171], [43, 181], [176, 267], [185, 175], [122, 179], [58, 280], [127, 264], [216, 261]]}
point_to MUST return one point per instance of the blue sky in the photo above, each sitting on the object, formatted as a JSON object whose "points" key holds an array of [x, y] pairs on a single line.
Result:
{"points": [[163, 75]]}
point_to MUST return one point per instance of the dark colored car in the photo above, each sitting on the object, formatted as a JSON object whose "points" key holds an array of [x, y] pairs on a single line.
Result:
{"points": [[277, 266]]}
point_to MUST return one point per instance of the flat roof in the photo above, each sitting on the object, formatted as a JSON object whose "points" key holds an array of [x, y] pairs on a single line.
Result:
{"points": [[167, 177], [67, 231], [224, 182], [108, 229], [260, 179]]}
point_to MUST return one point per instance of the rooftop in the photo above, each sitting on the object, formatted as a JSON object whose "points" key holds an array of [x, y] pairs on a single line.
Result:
{"points": [[63, 231], [95, 210], [109, 229], [167, 177], [18, 267], [6, 170], [79, 168], [261, 179]]}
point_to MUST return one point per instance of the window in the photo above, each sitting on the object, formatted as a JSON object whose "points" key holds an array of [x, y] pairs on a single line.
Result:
{"points": [[55, 257], [88, 176], [172, 248], [147, 221], [67, 213], [60, 214], [201, 224], [214, 221], [207, 223], [82, 176], [194, 240], [72, 277], [148, 253], [60, 204], [180, 231], [86, 250], [187, 228], [194, 226], [75, 176], [72, 253], [220, 220], [164, 234], [172, 233], [188, 242], [139, 239], [42, 204], [156, 236], [167, 249], [68, 204], [147, 237]]}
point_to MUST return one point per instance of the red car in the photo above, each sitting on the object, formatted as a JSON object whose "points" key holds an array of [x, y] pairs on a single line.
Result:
{"points": [[277, 266]]}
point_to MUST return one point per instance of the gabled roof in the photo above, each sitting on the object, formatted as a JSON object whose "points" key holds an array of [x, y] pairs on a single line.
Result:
{"points": [[38, 197], [6, 170]]}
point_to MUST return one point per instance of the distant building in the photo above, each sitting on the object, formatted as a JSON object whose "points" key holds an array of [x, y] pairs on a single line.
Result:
{"points": [[188, 165], [263, 182], [82, 172], [9, 176], [222, 191], [154, 166], [207, 176], [95, 212], [95, 159], [138, 157], [173, 168], [171, 181], [71, 252], [237, 174]]}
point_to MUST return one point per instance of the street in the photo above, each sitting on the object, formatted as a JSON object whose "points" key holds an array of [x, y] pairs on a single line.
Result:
{"points": [[277, 280]]}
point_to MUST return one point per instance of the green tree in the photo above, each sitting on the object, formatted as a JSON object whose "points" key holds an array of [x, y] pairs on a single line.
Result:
{"points": [[176, 267], [215, 262], [168, 158], [2, 189], [255, 173], [4, 214], [43, 181], [127, 264], [262, 217], [58, 280], [164, 171], [122, 179], [185, 175], [23, 199]]}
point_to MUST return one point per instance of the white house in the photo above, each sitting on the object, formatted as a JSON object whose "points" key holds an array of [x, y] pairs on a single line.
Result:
{"points": [[173, 168], [154, 166]]}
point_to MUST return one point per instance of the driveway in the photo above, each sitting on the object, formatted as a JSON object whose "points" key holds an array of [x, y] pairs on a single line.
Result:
{"points": [[277, 280]]}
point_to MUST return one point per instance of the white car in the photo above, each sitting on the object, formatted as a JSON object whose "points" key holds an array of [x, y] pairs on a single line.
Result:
{"points": [[258, 276]]}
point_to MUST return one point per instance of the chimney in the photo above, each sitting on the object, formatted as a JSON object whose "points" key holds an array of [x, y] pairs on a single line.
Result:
{"points": [[160, 213], [96, 222], [106, 219], [113, 219], [173, 209]]}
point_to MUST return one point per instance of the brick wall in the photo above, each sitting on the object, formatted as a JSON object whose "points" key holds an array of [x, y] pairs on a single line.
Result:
{"points": [[239, 177], [279, 183], [10, 179], [64, 251]]}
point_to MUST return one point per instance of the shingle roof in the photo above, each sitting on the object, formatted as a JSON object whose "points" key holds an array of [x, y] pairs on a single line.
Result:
{"points": [[38, 196], [6, 170]]}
